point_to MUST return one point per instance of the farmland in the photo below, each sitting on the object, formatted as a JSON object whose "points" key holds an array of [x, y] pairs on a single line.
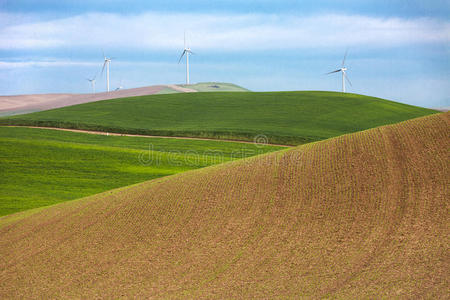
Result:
{"points": [[215, 87], [362, 215], [42, 167], [284, 117], [21, 104]]}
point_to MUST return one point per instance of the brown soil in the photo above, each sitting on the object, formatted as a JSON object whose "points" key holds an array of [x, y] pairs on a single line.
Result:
{"points": [[39, 102], [364, 215]]}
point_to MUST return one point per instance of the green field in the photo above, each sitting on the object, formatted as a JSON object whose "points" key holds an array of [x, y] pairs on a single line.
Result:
{"points": [[41, 167], [206, 87], [215, 87], [284, 117]]}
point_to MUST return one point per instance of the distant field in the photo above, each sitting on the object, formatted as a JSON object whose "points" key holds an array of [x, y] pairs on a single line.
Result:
{"points": [[283, 117], [205, 87], [167, 90], [21, 104], [360, 216], [41, 167], [215, 87]]}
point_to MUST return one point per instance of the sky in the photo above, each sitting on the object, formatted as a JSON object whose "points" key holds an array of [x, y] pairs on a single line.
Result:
{"points": [[397, 49]]}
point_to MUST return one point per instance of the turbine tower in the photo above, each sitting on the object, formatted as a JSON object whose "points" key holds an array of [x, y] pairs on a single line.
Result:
{"points": [[107, 62], [343, 69], [187, 51], [92, 81]]}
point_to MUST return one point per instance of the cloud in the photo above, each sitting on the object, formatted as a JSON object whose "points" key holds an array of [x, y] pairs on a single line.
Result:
{"points": [[53, 62], [160, 31], [43, 63]]}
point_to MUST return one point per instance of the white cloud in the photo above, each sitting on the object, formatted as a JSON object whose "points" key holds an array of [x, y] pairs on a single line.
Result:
{"points": [[159, 31], [43, 63]]}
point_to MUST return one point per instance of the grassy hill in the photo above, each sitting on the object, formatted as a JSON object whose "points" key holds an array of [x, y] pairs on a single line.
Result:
{"points": [[215, 87], [363, 215], [41, 167], [206, 87], [283, 117]]}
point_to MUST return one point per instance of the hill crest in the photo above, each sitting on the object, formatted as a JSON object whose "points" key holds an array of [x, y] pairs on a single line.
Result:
{"points": [[289, 118], [21, 104]]}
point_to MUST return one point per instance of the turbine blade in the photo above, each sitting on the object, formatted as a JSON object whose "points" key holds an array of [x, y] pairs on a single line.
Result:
{"points": [[182, 54], [333, 72], [103, 68], [185, 39], [345, 57], [345, 75]]}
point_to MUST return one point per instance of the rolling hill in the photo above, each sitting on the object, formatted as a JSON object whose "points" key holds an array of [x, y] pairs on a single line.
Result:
{"points": [[215, 87], [21, 104], [363, 215], [283, 117], [41, 167]]}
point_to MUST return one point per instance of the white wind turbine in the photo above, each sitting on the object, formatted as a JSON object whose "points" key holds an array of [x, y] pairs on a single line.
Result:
{"points": [[344, 75], [107, 62], [92, 81], [187, 51], [120, 86]]}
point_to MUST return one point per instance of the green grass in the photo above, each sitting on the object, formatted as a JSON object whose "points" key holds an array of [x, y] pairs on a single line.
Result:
{"points": [[40, 167], [284, 117]]}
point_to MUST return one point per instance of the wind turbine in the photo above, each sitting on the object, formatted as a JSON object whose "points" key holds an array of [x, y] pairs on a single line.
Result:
{"points": [[344, 75], [92, 81], [187, 51], [120, 86], [107, 62]]}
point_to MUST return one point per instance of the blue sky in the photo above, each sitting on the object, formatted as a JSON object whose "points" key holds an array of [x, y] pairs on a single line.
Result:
{"points": [[397, 49]]}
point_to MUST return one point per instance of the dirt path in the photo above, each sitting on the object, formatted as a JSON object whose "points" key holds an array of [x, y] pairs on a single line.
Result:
{"points": [[147, 136]]}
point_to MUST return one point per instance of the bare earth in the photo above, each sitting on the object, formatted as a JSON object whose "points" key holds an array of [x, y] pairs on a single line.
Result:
{"points": [[38, 102], [359, 216]]}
